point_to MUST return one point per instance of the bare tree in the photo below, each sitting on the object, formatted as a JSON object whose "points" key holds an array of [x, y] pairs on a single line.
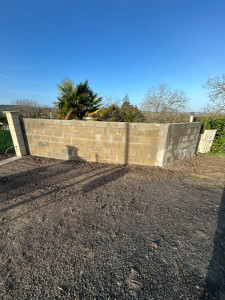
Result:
{"points": [[216, 93], [26, 107], [31, 109], [111, 100], [163, 104]]}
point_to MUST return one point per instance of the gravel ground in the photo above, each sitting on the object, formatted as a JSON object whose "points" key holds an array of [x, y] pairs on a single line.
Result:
{"points": [[76, 230]]}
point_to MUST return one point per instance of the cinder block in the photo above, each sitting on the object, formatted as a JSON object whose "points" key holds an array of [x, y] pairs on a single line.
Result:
{"points": [[101, 124], [183, 144], [147, 154], [73, 128], [149, 161], [135, 132], [112, 157], [88, 123], [104, 150], [36, 137], [131, 152], [43, 144], [98, 130], [135, 146], [135, 160], [67, 141], [118, 138], [106, 138], [58, 133], [124, 131], [45, 138], [48, 132], [121, 159], [131, 139], [113, 131], [115, 147], [118, 125], [55, 139], [151, 133], [56, 155], [143, 140], [38, 131], [83, 135]]}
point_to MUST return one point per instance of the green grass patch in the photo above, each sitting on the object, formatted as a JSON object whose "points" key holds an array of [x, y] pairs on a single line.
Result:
{"points": [[5, 140], [220, 154], [195, 177]]}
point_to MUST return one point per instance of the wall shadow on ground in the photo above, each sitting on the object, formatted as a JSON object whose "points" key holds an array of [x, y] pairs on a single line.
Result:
{"points": [[26, 183], [215, 278], [106, 178]]}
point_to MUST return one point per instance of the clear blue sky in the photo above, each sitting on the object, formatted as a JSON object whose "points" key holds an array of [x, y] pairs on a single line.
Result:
{"points": [[120, 46]]}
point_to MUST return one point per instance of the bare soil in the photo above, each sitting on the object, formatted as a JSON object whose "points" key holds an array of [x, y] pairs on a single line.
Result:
{"points": [[77, 230]]}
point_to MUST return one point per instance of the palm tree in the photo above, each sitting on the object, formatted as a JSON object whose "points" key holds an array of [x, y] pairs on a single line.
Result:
{"points": [[75, 101]]}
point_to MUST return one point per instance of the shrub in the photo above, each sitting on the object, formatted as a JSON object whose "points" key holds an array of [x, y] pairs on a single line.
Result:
{"points": [[3, 119], [111, 113]]}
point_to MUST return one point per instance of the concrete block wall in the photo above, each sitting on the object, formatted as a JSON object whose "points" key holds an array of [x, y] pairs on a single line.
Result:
{"points": [[109, 142], [182, 141]]}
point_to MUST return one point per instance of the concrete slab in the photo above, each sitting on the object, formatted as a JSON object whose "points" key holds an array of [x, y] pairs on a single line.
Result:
{"points": [[9, 160]]}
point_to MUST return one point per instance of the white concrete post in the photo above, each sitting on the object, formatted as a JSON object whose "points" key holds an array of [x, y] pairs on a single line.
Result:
{"points": [[206, 140], [16, 132], [192, 117]]}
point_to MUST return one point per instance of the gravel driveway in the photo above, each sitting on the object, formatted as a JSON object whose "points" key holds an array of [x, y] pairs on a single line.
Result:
{"points": [[77, 230]]}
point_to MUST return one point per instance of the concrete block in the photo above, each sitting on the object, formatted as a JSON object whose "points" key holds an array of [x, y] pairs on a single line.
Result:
{"points": [[131, 139], [36, 137], [151, 133], [58, 133], [98, 130], [55, 139], [118, 125], [124, 131], [135, 132], [43, 144], [143, 140], [113, 131], [101, 124], [117, 138], [149, 161], [45, 138], [67, 141], [136, 160], [38, 131]]}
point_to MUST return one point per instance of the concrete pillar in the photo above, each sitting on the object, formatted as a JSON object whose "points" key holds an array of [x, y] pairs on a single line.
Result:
{"points": [[192, 117], [16, 132], [206, 140]]}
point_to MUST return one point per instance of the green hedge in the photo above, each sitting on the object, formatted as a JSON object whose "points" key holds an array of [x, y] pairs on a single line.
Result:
{"points": [[214, 123], [3, 119]]}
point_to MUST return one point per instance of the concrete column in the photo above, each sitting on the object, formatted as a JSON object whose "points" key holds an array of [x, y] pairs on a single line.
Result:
{"points": [[206, 140], [16, 132]]}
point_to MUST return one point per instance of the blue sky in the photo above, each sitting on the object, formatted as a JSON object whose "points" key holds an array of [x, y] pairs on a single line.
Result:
{"points": [[120, 46]]}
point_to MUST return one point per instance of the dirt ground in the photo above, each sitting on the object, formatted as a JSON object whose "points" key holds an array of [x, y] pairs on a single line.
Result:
{"points": [[76, 230]]}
